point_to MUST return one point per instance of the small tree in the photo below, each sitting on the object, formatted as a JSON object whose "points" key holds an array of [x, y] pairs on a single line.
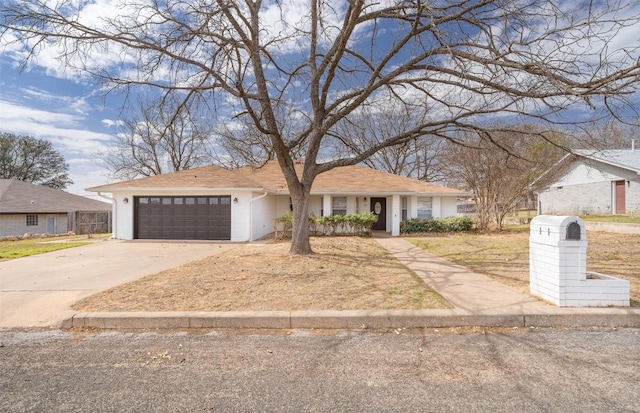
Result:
{"points": [[32, 160], [498, 168]]}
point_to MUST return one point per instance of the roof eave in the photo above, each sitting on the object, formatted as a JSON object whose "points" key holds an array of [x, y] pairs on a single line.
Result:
{"points": [[174, 189]]}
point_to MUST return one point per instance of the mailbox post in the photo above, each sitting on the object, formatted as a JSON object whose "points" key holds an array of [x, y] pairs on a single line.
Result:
{"points": [[558, 266]]}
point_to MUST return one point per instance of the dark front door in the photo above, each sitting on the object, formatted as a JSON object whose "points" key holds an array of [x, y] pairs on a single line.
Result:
{"points": [[620, 197], [379, 207]]}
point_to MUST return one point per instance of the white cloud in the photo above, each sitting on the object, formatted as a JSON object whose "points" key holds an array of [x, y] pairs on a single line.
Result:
{"points": [[66, 132], [109, 123]]}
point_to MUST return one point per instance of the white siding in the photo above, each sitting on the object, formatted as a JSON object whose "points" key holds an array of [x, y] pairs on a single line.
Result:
{"points": [[123, 216], [448, 207], [240, 212], [264, 210]]}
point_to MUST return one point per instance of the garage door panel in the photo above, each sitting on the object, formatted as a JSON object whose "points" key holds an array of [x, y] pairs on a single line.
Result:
{"points": [[183, 217]]}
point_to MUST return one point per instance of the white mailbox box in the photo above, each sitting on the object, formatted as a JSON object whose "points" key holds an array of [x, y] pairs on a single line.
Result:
{"points": [[558, 266]]}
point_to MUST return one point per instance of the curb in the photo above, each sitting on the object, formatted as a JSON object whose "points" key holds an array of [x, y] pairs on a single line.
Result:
{"points": [[358, 319]]}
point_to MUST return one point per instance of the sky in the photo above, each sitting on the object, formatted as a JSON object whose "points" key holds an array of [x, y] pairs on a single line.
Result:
{"points": [[48, 102], [73, 116]]}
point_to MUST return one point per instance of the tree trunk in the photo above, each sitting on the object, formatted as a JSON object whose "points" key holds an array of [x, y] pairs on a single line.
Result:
{"points": [[300, 243]]}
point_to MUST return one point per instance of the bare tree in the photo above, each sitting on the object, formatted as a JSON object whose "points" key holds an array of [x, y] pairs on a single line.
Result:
{"points": [[457, 61], [165, 137], [610, 134], [418, 158], [499, 167]]}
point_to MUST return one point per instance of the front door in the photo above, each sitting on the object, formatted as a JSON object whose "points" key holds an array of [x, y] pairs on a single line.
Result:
{"points": [[379, 207], [51, 226], [620, 197]]}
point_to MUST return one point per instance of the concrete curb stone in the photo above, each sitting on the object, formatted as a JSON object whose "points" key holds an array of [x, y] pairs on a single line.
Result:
{"points": [[358, 319]]}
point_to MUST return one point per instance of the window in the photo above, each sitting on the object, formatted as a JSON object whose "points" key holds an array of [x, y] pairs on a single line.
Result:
{"points": [[339, 205], [425, 207], [404, 208], [32, 220]]}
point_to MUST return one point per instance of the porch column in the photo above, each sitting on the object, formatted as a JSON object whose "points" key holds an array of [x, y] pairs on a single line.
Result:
{"points": [[413, 206], [326, 205], [396, 215]]}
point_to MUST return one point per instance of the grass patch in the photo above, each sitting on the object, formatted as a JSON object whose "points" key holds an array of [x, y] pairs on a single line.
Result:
{"points": [[504, 256], [345, 273], [27, 247], [620, 219]]}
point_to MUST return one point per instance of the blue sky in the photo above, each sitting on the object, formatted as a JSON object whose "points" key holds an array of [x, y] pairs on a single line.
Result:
{"points": [[76, 119], [48, 102]]}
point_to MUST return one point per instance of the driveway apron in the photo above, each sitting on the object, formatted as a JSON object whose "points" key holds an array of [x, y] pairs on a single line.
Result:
{"points": [[38, 291]]}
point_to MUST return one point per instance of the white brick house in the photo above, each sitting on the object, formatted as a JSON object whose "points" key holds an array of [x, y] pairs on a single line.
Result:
{"points": [[590, 182], [239, 204]]}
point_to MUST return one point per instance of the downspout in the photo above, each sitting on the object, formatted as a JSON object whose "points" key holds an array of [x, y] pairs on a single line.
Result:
{"points": [[114, 208], [251, 214]]}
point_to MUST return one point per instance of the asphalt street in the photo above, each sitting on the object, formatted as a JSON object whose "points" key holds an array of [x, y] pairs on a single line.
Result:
{"points": [[434, 370]]}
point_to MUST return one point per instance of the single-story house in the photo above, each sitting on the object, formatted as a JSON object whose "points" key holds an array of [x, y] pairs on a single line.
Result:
{"points": [[592, 182], [214, 203], [37, 209]]}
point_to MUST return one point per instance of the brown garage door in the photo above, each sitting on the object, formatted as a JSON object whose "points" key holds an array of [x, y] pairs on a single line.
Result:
{"points": [[183, 217]]}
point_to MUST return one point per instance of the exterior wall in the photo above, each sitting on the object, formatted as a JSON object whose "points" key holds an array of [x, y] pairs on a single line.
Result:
{"points": [[589, 189], [448, 207], [123, 216], [263, 211], [581, 199], [315, 205], [252, 215], [240, 214], [16, 224], [633, 196]]}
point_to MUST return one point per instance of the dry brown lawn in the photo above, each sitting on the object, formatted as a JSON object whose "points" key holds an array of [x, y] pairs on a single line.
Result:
{"points": [[505, 256], [345, 273]]}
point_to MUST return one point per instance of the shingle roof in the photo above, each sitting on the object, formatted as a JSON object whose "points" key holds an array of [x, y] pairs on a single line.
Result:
{"points": [[18, 197], [346, 179], [211, 176], [269, 178], [622, 158]]}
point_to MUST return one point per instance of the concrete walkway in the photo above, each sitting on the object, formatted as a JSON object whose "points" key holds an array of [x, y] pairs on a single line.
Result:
{"points": [[457, 284]]}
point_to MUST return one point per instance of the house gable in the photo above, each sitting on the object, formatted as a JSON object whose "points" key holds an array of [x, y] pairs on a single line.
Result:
{"points": [[606, 182]]}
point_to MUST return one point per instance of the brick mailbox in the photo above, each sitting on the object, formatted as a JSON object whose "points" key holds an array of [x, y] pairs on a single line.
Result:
{"points": [[558, 266]]}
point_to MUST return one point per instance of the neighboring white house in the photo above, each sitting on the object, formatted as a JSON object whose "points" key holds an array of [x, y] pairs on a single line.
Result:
{"points": [[37, 209], [590, 182], [239, 205]]}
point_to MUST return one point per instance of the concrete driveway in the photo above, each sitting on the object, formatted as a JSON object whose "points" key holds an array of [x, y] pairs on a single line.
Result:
{"points": [[38, 291]]}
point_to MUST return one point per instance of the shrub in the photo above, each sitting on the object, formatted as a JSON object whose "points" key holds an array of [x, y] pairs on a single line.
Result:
{"points": [[436, 225], [351, 224], [282, 224]]}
